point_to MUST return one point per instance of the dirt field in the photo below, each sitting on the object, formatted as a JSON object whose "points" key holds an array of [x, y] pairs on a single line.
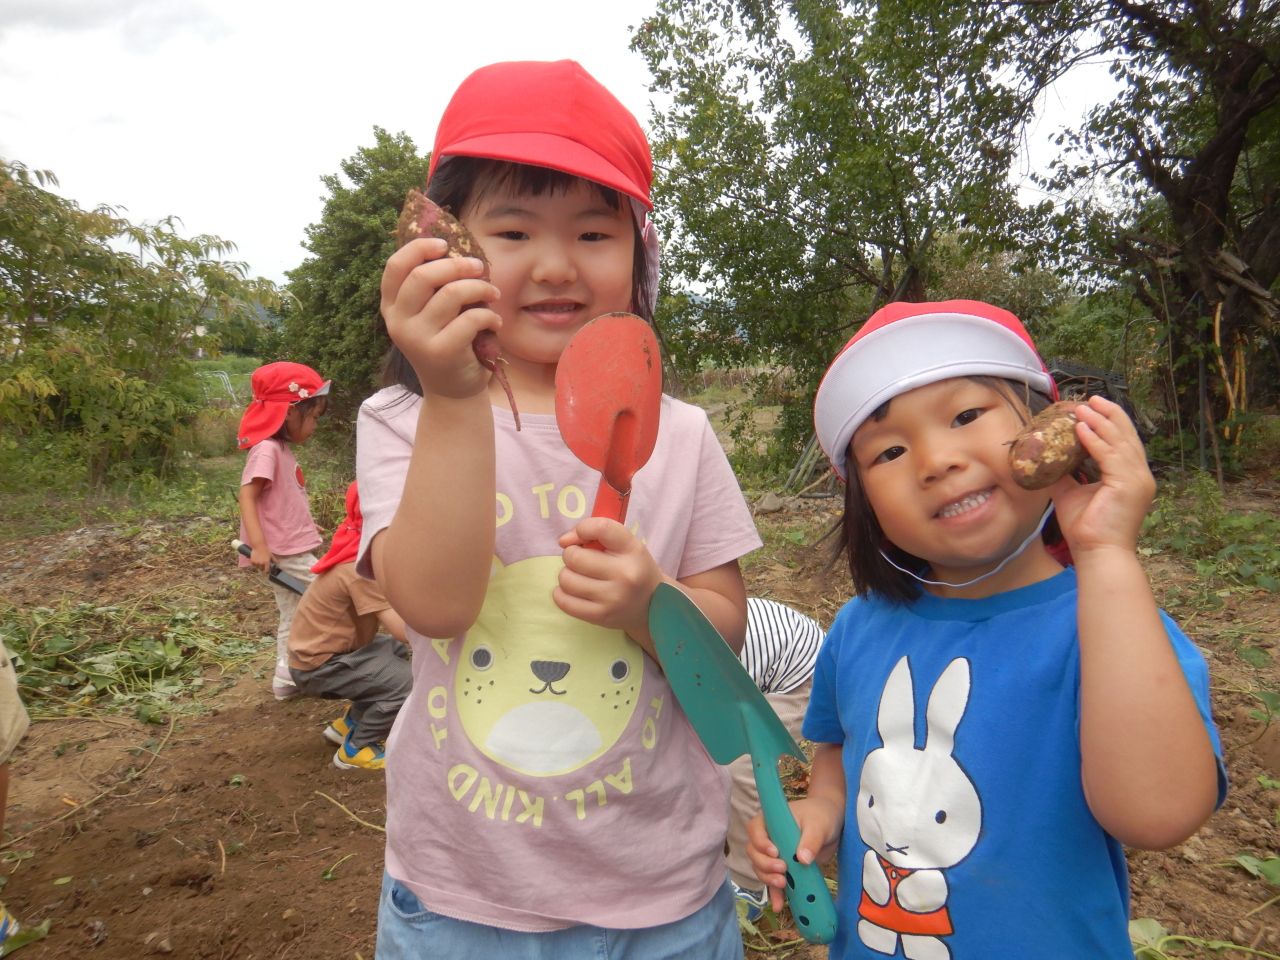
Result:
{"points": [[205, 834]]}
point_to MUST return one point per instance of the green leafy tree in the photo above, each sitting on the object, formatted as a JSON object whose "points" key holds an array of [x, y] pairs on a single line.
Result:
{"points": [[54, 257], [333, 323], [97, 340], [176, 297], [1172, 185], [805, 166], [958, 268]]}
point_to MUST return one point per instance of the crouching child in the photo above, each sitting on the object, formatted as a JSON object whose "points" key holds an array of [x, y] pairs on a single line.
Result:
{"points": [[337, 653]]}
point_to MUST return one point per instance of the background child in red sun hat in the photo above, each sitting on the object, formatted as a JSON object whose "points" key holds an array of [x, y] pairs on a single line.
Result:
{"points": [[990, 726], [337, 653], [275, 513], [546, 797]]}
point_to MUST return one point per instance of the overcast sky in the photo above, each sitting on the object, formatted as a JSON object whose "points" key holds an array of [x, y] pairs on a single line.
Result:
{"points": [[227, 114]]}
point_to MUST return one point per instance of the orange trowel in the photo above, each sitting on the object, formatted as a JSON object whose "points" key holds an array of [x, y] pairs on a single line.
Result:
{"points": [[608, 399]]}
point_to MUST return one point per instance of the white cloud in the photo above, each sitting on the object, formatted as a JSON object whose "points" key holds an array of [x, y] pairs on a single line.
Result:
{"points": [[231, 127], [141, 23]]}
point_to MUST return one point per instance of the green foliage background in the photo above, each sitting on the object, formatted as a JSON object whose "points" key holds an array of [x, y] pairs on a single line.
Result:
{"points": [[96, 375], [331, 320], [815, 159]]}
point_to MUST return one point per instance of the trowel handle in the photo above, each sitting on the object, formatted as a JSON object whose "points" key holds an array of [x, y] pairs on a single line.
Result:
{"points": [[609, 504], [274, 573], [807, 891]]}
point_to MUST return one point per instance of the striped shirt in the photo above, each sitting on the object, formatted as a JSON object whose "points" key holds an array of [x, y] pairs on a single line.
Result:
{"points": [[781, 648]]}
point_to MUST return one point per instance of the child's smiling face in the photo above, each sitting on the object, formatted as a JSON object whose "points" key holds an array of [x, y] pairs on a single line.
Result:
{"points": [[560, 260], [935, 469]]}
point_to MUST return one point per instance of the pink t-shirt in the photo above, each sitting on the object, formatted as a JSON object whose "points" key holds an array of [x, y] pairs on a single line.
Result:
{"points": [[283, 507], [541, 774]]}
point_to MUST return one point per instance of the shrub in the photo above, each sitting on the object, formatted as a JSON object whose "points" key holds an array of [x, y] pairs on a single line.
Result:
{"points": [[118, 423], [1227, 544]]}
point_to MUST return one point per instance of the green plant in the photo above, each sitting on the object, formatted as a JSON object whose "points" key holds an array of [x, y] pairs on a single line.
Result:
{"points": [[70, 386], [1268, 870], [80, 657], [1151, 941], [28, 934], [1227, 545], [213, 432], [328, 872], [98, 340]]}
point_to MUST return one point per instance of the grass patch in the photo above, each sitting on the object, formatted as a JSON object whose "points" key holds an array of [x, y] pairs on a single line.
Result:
{"points": [[57, 500], [77, 659], [1228, 547]]}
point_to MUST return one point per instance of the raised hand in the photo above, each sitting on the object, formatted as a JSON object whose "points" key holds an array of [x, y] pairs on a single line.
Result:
{"points": [[433, 306], [1107, 514]]}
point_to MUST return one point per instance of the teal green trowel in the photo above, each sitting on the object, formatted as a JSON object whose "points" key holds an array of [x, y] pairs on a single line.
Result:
{"points": [[732, 717]]}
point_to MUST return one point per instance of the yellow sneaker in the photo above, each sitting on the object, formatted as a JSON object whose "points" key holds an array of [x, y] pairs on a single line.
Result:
{"points": [[337, 731], [372, 756], [8, 924]]}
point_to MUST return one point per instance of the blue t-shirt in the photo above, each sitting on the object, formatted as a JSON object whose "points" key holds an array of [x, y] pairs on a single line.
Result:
{"points": [[967, 826]]}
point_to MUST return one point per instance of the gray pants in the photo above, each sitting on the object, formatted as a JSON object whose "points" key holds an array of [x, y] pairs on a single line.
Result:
{"points": [[376, 678]]}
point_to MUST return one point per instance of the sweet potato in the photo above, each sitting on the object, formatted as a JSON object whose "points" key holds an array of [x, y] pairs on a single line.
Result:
{"points": [[422, 217], [1047, 448]]}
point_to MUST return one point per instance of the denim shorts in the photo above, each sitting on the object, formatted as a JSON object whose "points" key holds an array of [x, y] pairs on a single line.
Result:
{"points": [[408, 931]]}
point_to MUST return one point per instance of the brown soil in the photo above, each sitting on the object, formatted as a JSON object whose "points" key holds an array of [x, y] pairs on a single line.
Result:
{"points": [[178, 860], [145, 862]]}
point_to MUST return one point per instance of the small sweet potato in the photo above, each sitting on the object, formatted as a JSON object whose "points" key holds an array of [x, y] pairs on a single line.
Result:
{"points": [[423, 217], [1047, 448]]}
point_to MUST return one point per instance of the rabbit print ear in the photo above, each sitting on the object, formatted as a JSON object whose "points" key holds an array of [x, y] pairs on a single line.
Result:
{"points": [[947, 704], [897, 718]]}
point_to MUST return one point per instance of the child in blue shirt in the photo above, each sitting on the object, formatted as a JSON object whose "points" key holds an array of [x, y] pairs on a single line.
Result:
{"points": [[990, 725]]}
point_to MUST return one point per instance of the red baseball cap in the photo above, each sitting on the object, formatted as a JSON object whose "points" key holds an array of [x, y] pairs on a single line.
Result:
{"points": [[276, 387], [908, 345], [547, 114], [346, 539]]}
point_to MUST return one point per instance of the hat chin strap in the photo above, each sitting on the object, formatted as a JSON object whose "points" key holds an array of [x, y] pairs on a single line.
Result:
{"points": [[1044, 518]]}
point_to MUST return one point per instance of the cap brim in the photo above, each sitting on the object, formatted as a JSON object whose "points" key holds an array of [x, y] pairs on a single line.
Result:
{"points": [[914, 352], [549, 150]]}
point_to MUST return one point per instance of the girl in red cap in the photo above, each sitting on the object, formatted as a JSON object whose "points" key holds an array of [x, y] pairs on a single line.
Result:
{"points": [[275, 513], [545, 794], [990, 725]]}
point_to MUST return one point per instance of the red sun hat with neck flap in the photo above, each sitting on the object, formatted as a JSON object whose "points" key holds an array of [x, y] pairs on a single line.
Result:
{"points": [[276, 387], [908, 345], [346, 539]]}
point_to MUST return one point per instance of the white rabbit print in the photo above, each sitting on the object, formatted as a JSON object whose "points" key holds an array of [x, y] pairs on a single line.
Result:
{"points": [[919, 812]]}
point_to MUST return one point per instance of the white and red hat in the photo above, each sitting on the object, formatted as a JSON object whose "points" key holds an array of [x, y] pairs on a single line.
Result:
{"points": [[909, 345]]}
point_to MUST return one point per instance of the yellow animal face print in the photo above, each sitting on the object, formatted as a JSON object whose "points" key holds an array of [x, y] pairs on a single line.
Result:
{"points": [[536, 689]]}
